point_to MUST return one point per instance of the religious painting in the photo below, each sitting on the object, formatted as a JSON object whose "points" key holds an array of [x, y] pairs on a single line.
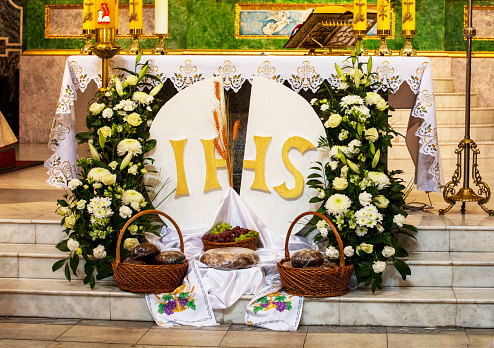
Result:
{"points": [[277, 21], [482, 18]]}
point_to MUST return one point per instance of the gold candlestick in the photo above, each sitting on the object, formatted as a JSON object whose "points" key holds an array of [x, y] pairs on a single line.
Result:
{"points": [[135, 47], [408, 49], [359, 35], [383, 49], [89, 33], [105, 48], [160, 46]]}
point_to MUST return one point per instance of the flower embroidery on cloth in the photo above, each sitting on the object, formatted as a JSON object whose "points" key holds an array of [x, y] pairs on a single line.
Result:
{"points": [[306, 78], [180, 300], [187, 76], [268, 71], [387, 78], [231, 80]]}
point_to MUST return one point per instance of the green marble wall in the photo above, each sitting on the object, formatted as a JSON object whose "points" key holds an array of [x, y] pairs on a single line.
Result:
{"points": [[210, 24]]}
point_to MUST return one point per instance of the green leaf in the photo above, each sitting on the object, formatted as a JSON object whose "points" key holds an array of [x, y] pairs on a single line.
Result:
{"points": [[257, 309], [410, 227], [92, 282], [167, 298], [74, 263], [280, 298], [400, 252], [263, 300], [62, 246], [57, 265], [183, 295], [359, 129], [67, 271], [314, 175], [191, 304], [138, 56], [288, 306], [62, 203], [161, 308], [402, 267]]}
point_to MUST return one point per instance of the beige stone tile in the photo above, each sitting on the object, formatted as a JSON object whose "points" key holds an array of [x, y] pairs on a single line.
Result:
{"points": [[9, 343], [32, 331], [175, 337], [87, 345], [263, 339], [427, 340], [481, 337], [344, 340], [103, 334], [221, 327]]}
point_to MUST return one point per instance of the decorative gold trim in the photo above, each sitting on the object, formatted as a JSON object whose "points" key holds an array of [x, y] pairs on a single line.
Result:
{"points": [[81, 36], [339, 52], [278, 6], [465, 20]]}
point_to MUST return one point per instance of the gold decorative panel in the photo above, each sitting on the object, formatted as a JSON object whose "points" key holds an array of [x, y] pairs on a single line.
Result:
{"points": [[482, 21]]}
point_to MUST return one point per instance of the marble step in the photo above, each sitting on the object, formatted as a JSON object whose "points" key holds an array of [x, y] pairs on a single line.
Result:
{"points": [[443, 84], [452, 133], [448, 116], [423, 307], [454, 99], [439, 269], [399, 150], [31, 231]]}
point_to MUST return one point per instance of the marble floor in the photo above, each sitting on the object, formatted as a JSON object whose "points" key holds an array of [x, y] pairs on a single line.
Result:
{"points": [[26, 195], [61, 333]]}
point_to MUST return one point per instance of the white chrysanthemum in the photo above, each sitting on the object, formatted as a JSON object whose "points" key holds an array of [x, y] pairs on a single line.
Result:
{"points": [[127, 145], [107, 113], [105, 201], [379, 266], [368, 216], [351, 100], [332, 252], [365, 198], [142, 97], [399, 220], [125, 212], [388, 251], [74, 183], [72, 244], [361, 231], [99, 252], [371, 98], [338, 204], [380, 179], [98, 173], [130, 243], [348, 251], [130, 196]]}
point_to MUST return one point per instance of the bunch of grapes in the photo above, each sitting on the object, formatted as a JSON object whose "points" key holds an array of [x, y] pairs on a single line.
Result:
{"points": [[220, 228], [264, 305], [280, 306], [182, 302], [169, 307], [224, 233]]}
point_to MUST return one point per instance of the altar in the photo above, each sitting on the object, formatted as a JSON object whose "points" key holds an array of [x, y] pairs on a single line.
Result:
{"points": [[300, 73]]}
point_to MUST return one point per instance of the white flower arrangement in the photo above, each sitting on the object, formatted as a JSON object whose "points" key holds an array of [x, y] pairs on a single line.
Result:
{"points": [[361, 197], [110, 189]]}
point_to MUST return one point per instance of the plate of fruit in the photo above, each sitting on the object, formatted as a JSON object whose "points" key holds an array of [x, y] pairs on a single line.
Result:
{"points": [[224, 235]]}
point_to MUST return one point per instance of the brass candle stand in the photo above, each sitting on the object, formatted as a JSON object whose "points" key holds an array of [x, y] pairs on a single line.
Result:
{"points": [[105, 48], [359, 35], [408, 49], [383, 49], [160, 45], [89, 33], [466, 194], [135, 47]]}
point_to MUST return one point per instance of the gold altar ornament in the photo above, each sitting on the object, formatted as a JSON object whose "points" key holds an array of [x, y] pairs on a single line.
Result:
{"points": [[360, 22], [116, 16], [135, 25], [466, 194], [88, 25], [383, 26], [408, 27]]}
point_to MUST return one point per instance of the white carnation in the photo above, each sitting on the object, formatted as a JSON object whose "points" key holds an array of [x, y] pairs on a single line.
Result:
{"points": [[365, 198], [388, 251], [379, 266], [127, 145], [348, 251], [338, 204], [74, 183], [72, 244], [380, 179], [353, 146], [399, 220], [324, 232], [130, 243], [107, 113], [362, 111], [99, 252], [125, 212], [332, 252]]}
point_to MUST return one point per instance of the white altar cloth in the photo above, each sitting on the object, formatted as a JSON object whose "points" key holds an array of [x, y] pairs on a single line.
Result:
{"points": [[301, 73]]}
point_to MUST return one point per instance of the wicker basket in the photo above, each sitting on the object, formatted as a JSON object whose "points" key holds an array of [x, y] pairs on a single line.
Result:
{"points": [[148, 278], [250, 243], [315, 282]]}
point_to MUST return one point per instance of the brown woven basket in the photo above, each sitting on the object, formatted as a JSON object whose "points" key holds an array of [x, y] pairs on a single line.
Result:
{"points": [[250, 243], [148, 278], [315, 282]]}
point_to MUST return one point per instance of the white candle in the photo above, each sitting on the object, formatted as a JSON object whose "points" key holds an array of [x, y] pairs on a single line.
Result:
{"points": [[161, 16]]}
